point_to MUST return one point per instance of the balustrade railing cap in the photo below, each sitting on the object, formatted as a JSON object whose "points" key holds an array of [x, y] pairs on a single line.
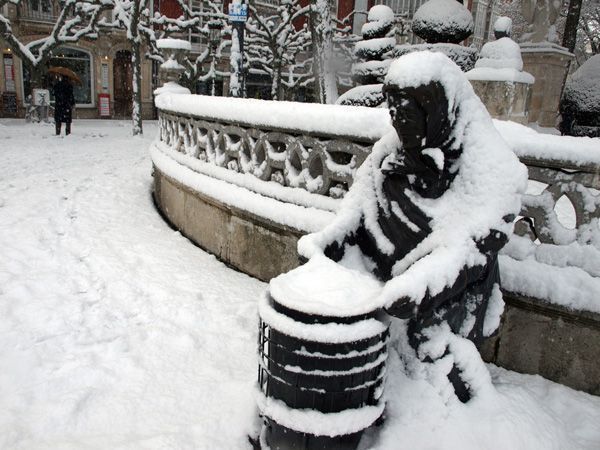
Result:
{"points": [[351, 122], [546, 150]]}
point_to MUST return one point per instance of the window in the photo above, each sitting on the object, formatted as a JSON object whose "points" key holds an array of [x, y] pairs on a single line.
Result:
{"points": [[38, 10], [78, 61]]}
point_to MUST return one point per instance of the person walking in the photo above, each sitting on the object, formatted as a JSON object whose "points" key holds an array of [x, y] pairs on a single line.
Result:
{"points": [[64, 102]]}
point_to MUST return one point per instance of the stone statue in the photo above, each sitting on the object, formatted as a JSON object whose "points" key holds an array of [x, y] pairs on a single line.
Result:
{"points": [[541, 15], [393, 220]]}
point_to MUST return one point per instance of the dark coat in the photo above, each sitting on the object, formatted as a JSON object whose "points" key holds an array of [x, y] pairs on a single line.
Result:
{"points": [[64, 101]]}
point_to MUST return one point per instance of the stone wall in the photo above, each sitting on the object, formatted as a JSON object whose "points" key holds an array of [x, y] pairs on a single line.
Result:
{"points": [[548, 340], [251, 244], [504, 100]]}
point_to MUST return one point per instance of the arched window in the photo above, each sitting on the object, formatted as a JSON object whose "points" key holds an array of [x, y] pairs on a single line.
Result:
{"points": [[80, 62]]}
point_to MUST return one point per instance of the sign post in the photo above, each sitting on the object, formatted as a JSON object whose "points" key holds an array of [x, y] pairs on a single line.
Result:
{"points": [[238, 14]]}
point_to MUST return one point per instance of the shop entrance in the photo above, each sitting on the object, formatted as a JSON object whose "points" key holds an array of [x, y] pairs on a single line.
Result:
{"points": [[122, 72]]}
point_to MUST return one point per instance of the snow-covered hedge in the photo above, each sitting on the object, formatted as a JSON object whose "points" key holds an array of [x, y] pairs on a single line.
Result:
{"points": [[500, 60], [372, 54], [442, 21], [580, 103]]}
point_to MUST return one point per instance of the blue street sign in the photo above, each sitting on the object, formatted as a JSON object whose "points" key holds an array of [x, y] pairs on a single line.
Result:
{"points": [[238, 12]]}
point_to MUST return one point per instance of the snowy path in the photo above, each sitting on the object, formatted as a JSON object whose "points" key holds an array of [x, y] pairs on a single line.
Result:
{"points": [[117, 333]]}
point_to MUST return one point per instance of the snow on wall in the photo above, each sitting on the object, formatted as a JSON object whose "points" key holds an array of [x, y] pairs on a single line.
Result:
{"points": [[528, 143], [308, 117], [289, 214]]}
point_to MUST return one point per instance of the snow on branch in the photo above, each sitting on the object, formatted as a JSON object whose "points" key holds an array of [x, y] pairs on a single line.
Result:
{"points": [[276, 44], [77, 19]]}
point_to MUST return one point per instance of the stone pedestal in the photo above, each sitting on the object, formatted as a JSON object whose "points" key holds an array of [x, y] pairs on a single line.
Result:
{"points": [[504, 100], [549, 64]]}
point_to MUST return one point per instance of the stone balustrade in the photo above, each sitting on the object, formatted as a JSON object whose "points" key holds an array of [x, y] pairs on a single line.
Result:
{"points": [[321, 160], [319, 164]]}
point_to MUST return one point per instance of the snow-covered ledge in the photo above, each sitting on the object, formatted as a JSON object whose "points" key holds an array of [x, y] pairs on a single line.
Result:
{"points": [[246, 178], [227, 172]]}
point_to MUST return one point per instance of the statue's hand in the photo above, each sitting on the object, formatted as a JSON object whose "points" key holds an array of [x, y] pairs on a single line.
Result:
{"points": [[403, 308]]}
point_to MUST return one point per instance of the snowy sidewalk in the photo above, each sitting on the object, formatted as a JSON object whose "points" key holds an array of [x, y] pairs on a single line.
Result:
{"points": [[117, 333]]}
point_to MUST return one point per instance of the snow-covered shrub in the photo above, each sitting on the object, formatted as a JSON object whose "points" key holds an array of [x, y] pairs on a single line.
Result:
{"points": [[380, 22], [372, 55], [444, 21], [580, 103]]}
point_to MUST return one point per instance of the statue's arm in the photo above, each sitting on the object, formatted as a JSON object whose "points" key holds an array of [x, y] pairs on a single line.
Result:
{"points": [[405, 308]]}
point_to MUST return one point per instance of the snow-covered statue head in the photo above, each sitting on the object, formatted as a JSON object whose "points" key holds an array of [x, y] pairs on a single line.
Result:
{"points": [[428, 212], [502, 27]]}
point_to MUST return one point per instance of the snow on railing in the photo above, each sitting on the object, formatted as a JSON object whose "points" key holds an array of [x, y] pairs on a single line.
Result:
{"points": [[314, 147], [318, 148]]}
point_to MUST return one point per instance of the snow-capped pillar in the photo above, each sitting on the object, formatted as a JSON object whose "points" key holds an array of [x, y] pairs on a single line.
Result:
{"points": [[170, 70], [549, 64], [322, 356], [498, 78]]}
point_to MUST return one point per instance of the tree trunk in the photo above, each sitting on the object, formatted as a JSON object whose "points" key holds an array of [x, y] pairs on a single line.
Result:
{"points": [[276, 83], [235, 59], [36, 74], [571, 25], [136, 112], [322, 38], [136, 66]]}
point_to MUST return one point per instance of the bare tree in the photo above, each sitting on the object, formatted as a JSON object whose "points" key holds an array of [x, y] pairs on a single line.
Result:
{"points": [[77, 19], [274, 43], [589, 28], [142, 29]]}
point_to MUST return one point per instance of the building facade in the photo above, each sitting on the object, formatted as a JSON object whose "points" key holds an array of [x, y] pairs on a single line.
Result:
{"points": [[103, 66]]}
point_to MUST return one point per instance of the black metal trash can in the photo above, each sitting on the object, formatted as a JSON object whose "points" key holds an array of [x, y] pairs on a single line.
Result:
{"points": [[332, 365]]}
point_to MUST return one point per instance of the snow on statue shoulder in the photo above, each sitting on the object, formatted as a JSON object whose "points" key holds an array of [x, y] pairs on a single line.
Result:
{"points": [[430, 208]]}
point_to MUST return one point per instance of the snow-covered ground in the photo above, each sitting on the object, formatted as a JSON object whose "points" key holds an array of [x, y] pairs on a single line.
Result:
{"points": [[116, 332]]}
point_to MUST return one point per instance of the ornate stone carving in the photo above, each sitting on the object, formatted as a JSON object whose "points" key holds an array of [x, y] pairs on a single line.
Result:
{"points": [[577, 184], [321, 165]]}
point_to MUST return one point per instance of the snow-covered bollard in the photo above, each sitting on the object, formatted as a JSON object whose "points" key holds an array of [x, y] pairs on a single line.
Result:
{"points": [[322, 354], [498, 78], [171, 69]]}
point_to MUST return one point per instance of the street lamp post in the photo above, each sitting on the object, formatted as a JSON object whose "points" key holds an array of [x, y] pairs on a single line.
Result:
{"points": [[214, 37]]}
